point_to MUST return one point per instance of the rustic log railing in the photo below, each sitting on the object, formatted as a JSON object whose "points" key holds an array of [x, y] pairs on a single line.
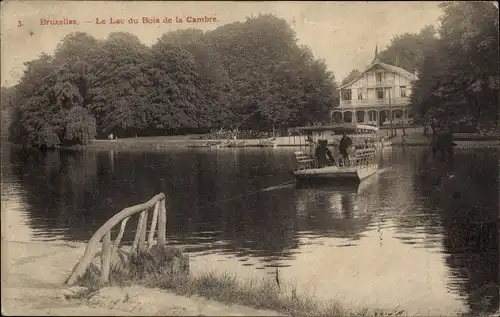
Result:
{"points": [[109, 250]]}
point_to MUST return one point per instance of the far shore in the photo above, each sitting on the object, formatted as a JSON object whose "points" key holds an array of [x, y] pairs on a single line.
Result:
{"points": [[186, 141]]}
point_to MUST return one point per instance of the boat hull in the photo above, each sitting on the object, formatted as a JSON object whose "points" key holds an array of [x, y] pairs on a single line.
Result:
{"points": [[335, 173]]}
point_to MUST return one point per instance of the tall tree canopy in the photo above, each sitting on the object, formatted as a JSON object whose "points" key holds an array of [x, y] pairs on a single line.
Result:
{"points": [[459, 74], [250, 74], [408, 50]]}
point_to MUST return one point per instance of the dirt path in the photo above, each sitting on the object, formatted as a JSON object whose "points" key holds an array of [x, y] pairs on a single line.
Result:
{"points": [[32, 284]]}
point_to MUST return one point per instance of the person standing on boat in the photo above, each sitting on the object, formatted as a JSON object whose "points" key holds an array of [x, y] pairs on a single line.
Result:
{"points": [[344, 145], [323, 154]]}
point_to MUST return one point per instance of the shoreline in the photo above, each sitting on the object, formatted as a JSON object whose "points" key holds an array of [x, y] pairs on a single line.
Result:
{"points": [[158, 143], [33, 275], [193, 142], [33, 285]]}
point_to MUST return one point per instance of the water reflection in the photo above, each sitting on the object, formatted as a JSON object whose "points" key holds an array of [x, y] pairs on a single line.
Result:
{"points": [[332, 212], [430, 228]]}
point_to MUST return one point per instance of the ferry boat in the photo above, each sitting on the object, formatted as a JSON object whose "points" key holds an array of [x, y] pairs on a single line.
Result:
{"points": [[361, 162]]}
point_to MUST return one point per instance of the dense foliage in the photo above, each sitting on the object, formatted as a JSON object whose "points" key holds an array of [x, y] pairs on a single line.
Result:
{"points": [[249, 75], [408, 50], [459, 74], [7, 94]]}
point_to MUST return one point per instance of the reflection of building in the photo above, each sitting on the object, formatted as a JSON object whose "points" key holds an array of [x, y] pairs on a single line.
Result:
{"points": [[380, 90]]}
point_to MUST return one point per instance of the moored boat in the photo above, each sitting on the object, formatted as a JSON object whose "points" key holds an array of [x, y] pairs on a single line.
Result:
{"points": [[268, 142], [360, 163]]}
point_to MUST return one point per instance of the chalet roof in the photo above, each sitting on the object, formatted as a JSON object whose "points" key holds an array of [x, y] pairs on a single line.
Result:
{"points": [[393, 69], [398, 70]]}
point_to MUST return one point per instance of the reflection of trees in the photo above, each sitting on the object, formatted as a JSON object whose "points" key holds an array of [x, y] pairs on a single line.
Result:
{"points": [[81, 190], [467, 206], [58, 184]]}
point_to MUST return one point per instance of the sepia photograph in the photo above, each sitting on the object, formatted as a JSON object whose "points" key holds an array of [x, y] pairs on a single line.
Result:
{"points": [[250, 158]]}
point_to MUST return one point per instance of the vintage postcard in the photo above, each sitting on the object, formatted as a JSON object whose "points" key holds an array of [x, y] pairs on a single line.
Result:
{"points": [[250, 158]]}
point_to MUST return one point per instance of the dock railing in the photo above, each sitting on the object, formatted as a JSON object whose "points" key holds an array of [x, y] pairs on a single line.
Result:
{"points": [[140, 244], [364, 157]]}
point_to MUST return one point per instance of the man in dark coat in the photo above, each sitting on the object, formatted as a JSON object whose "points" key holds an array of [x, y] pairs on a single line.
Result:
{"points": [[323, 154], [344, 144]]}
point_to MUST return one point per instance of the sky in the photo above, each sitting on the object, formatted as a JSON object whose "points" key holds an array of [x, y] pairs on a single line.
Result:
{"points": [[344, 34]]}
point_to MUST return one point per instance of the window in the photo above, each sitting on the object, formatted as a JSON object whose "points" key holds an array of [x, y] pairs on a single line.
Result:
{"points": [[379, 76], [403, 91], [380, 93], [360, 95], [346, 94]]}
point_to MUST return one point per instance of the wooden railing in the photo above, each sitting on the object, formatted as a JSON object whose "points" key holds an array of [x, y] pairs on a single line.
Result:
{"points": [[109, 250], [364, 157]]}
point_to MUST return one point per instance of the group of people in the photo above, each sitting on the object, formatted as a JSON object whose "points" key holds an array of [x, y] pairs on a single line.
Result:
{"points": [[324, 156]]}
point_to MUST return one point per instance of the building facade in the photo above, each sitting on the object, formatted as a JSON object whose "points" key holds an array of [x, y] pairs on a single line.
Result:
{"points": [[381, 91]]}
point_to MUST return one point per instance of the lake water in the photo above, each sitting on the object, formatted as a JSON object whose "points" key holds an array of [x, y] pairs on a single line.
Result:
{"points": [[421, 235]]}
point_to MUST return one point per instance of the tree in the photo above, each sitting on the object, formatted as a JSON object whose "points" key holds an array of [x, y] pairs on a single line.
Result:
{"points": [[120, 84], [7, 95], [459, 76], [250, 75], [408, 50], [80, 126], [354, 74]]}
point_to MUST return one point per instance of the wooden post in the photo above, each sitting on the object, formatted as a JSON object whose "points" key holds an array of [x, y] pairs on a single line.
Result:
{"points": [[393, 130], [105, 258], [152, 229], [94, 242], [138, 232], [162, 225], [144, 229], [403, 120], [118, 239]]}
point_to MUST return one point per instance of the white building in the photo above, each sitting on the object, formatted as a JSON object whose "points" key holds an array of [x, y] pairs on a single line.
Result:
{"points": [[381, 90]]}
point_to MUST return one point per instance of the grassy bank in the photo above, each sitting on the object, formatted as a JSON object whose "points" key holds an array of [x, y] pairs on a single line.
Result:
{"points": [[226, 288]]}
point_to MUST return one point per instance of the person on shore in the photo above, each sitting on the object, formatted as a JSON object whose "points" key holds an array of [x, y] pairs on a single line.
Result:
{"points": [[344, 145], [446, 143], [442, 141], [434, 125], [435, 139]]}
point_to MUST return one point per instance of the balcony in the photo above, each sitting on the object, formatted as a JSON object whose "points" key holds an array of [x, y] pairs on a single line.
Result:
{"points": [[384, 83], [375, 84], [375, 102]]}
